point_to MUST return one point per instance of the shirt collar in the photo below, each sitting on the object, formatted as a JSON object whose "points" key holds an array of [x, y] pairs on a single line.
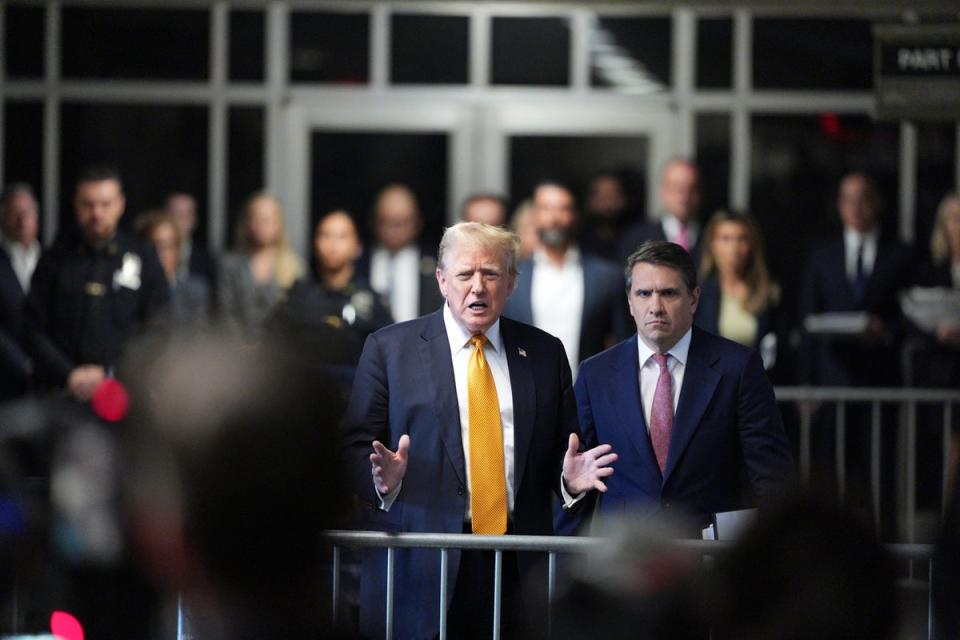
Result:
{"points": [[853, 237], [10, 244], [571, 257], [671, 226], [678, 351], [459, 337]]}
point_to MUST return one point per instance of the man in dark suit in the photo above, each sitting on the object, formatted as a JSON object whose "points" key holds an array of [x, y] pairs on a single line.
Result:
{"points": [[479, 416], [691, 415], [572, 295], [397, 266], [19, 252], [858, 270], [680, 204]]}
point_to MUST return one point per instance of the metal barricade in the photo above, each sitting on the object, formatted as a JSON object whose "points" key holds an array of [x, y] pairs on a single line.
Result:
{"points": [[906, 403], [552, 545]]}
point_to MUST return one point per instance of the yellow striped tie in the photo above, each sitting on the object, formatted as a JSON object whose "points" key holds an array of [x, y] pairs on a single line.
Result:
{"points": [[488, 486]]}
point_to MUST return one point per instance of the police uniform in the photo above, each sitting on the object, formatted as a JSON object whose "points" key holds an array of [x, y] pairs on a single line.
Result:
{"points": [[86, 302], [353, 312]]}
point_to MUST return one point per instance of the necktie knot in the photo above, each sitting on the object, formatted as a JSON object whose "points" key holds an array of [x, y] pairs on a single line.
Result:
{"points": [[478, 341], [661, 359]]}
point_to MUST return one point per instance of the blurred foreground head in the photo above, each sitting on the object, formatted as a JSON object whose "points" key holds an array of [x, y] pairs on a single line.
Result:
{"points": [[640, 583], [234, 473], [807, 569]]}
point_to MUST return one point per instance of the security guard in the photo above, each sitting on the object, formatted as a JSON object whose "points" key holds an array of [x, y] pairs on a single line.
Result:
{"points": [[334, 297], [88, 296]]}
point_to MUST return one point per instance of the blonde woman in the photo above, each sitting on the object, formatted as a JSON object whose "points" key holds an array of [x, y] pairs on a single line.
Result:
{"points": [[255, 278], [738, 299]]}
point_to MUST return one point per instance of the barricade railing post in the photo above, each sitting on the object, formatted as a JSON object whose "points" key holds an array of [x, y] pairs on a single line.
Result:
{"points": [[875, 416], [841, 450], [805, 430], [389, 608], [497, 591], [947, 427], [551, 593], [335, 588], [444, 572]]}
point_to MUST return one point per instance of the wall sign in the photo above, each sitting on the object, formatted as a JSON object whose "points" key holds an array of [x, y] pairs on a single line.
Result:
{"points": [[917, 71]]}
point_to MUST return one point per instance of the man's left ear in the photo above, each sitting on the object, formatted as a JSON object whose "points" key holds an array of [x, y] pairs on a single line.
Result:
{"points": [[441, 282], [696, 297]]}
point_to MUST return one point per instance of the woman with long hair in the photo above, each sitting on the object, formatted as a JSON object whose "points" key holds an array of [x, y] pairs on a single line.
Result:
{"points": [[738, 298], [256, 277]]}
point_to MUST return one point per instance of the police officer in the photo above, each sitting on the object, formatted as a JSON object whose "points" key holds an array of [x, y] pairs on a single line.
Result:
{"points": [[90, 294], [334, 296]]}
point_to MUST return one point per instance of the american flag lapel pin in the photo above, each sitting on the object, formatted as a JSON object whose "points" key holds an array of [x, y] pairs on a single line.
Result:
{"points": [[522, 352]]}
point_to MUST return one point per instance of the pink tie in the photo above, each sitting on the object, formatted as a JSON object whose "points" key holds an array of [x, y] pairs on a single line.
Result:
{"points": [[661, 416], [682, 238]]}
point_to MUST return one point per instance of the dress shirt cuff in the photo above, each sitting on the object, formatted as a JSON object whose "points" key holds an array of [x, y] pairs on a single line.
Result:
{"points": [[387, 499], [568, 500]]}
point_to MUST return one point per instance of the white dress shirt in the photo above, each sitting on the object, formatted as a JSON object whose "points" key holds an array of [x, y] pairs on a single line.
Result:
{"points": [[460, 351], [671, 229], [851, 245], [650, 372], [397, 276], [556, 296], [23, 259]]}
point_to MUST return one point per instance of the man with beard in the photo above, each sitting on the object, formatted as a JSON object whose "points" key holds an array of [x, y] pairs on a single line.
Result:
{"points": [[575, 296]]}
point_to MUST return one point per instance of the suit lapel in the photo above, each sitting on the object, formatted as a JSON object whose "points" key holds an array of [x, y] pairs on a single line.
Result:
{"points": [[436, 359], [699, 383], [591, 295], [524, 398], [523, 306], [625, 399]]}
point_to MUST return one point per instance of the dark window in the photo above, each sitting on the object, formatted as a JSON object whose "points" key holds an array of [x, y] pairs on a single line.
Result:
{"points": [[349, 168], [24, 37], [574, 160], [244, 161], [713, 159], [812, 53], [157, 149], [158, 44], [714, 53], [631, 54], [23, 144], [530, 51], [429, 49], [246, 45], [329, 47], [936, 172], [797, 162]]}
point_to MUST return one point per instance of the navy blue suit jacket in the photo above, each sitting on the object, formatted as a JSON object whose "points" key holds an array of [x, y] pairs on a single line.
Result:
{"points": [[405, 384], [846, 361], [604, 313], [727, 450], [14, 362], [641, 232]]}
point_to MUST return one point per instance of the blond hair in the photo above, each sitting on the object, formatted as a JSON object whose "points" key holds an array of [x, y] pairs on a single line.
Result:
{"points": [[287, 266], [939, 246], [762, 290], [484, 236]]}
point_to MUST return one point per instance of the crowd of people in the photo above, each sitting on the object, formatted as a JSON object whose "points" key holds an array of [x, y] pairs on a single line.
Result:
{"points": [[571, 278], [549, 372]]}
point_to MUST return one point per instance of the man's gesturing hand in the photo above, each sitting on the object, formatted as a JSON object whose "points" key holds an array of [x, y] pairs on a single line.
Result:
{"points": [[387, 467], [583, 471]]}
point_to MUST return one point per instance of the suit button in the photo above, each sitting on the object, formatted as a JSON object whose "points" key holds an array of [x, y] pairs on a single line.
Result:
{"points": [[460, 490]]}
